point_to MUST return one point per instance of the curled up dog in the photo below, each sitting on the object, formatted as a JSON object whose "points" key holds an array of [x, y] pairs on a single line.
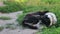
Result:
{"points": [[34, 20]]}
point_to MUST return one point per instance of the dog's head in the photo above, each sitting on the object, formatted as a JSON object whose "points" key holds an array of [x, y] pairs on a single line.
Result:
{"points": [[49, 19]]}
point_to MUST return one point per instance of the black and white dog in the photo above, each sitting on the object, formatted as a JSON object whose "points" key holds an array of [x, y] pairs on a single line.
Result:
{"points": [[34, 20]]}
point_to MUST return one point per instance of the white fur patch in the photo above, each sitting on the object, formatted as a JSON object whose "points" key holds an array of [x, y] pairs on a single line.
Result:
{"points": [[52, 17]]}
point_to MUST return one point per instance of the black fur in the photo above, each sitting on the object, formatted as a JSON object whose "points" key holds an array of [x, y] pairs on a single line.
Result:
{"points": [[34, 19], [30, 19], [45, 20]]}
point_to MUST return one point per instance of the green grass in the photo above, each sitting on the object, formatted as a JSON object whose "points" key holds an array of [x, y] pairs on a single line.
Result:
{"points": [[11, 6], [20, 18], [1, 28], [50, 31], [5, 18]]}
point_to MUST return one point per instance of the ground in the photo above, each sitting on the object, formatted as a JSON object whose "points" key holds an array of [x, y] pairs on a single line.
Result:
{"points": [[17, 30]]}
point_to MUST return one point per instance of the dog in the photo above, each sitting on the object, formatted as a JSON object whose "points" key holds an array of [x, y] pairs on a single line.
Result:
{"points": [[34, 20]]}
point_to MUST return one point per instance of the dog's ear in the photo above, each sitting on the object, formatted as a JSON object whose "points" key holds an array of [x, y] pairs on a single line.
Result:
{"points": [[46, 11], [42, 12]]}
